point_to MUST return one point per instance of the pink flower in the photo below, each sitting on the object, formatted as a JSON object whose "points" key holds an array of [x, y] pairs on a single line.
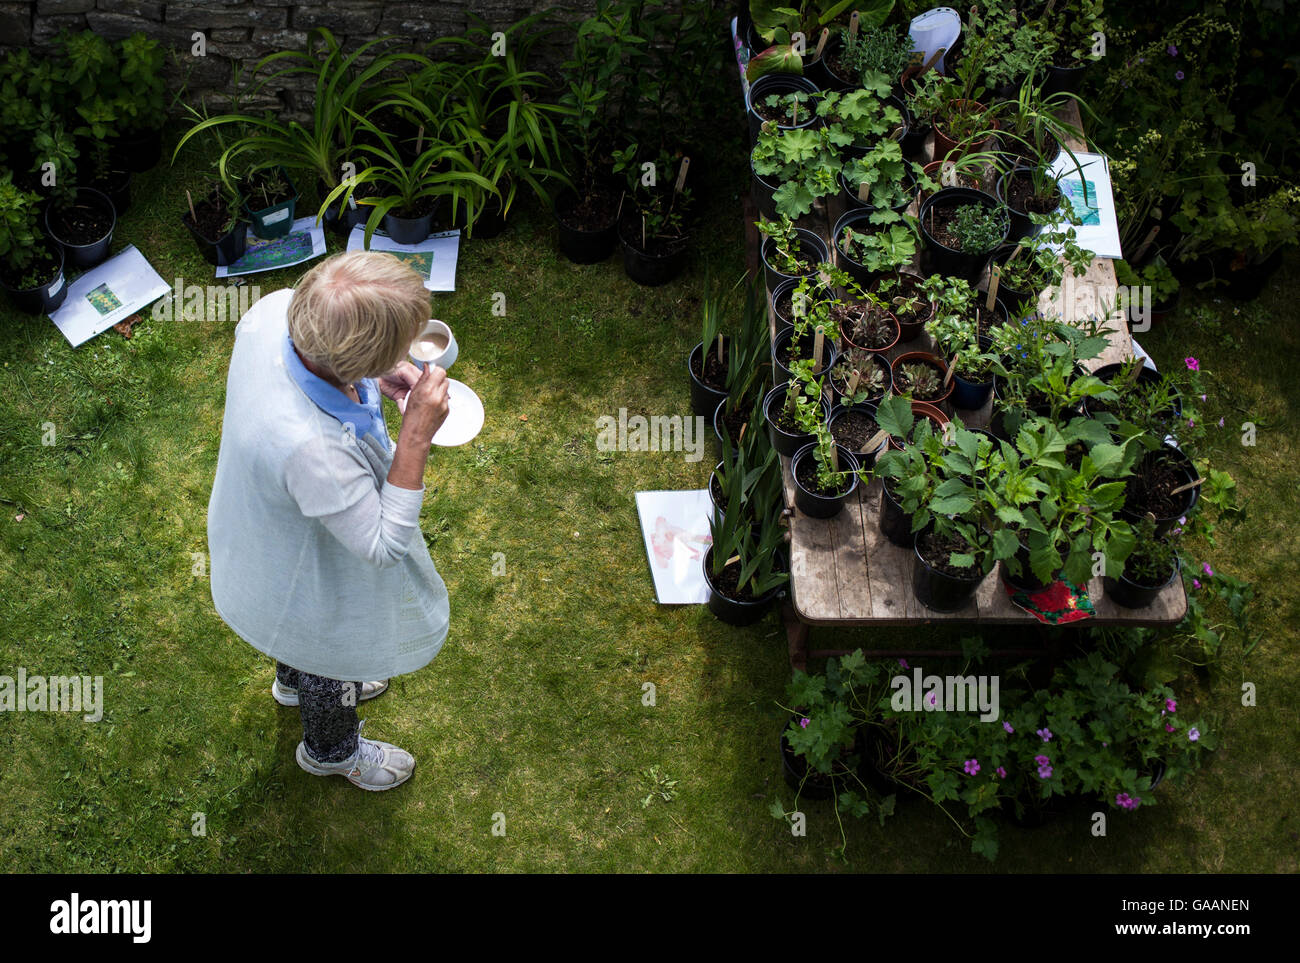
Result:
{"points": [[1171, 705], [1192, 364], [1178, 75], [1002, 773], [1193, 734], [1191, 423], [1007, 726], [1169, 727], [1195, 584], [903, 663], [1220, 422], [1205, 567], [803, 723], [1171, 50], [972, 767]]}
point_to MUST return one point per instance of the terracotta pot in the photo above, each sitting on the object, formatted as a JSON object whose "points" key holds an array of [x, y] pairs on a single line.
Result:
{"points": [[933, 359]]}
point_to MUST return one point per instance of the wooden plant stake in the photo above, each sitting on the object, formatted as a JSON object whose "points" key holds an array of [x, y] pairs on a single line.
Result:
{"points": [[1191, 484], [719, 347], [193, 216], [854, 378], [1146, 242], [835, 457], [853, 26], [681, 175], [643, 244], [863, 190], [994, 278], [419, 142], [732, 561], [821, 41], [875, 441], [818, 338], [947, 378], [741, 437], [934, 57]]}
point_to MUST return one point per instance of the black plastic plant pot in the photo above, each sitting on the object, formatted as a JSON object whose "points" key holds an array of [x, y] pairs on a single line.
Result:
{"points": [[138, 151], [785, 442], [852, 151], [1146, 376], [735, 611], [1134, 595], [938, 590], [781, 373], [777, 84], [859, 220], [276, 220], [1183, 469], [811, 247], [1021, 225], [811, 784], [970, 395], [227, 249], [866, 460], [117, 186], [704, 397], [92, 252], [44, 298], [763, 191], [1063, 79], [1026, 581], [579, 245], [654, 269], [340, 218], [950, 261], [786, 319], [895, 524], [407, 230], [815, 504]]}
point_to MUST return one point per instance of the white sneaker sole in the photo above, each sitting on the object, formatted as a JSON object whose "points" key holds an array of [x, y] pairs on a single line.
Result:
{"points": [[289, 697], [306, 763]]}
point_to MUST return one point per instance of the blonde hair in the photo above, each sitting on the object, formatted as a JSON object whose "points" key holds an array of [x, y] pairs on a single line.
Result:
{"points": [[356, 313]]}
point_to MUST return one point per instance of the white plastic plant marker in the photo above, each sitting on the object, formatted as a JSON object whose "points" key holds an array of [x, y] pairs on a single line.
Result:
{"points": [[934, 30]]}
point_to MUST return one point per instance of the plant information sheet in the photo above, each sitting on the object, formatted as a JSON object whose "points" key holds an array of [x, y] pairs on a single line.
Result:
{"points": [[434, 258], [106, 294], [676, 530], [305, 240]]}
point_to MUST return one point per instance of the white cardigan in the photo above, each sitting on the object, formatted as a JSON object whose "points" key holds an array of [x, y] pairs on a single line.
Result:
{"points": [[315, 559]]}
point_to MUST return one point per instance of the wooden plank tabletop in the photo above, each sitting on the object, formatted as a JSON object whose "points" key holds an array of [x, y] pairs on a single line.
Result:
{"points": [[843, 569]]}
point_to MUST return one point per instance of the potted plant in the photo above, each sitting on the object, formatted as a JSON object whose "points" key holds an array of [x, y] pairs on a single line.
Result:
{"points": [[1157, 279], [962, 228], [31, 266], [923, 376], [1150, 569], [911, 299], [825, 475], [1075, 25], [706, 365], [785, 101], [853, 426], [955, 330], [833, 717], [1162, 487], [747, 360], [214, 222], [793, 170], [141, 103], [794, 409], [747, 479], [269, 201], [865, 250], [651, 227], [883, 181], [874, 379], [745, 570], [1029, 191], [789, 251], [883, 50], [859, 120], [773, 30]]}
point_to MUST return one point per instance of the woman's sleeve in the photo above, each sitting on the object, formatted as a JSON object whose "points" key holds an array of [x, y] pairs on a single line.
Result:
{"points": [[335, 485]]}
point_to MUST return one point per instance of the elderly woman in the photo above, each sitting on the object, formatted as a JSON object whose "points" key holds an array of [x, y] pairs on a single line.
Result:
{"points": [[313, 526]]}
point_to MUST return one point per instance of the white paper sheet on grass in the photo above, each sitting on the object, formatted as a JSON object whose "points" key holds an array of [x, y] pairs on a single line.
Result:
{"points": [[675, 526], [1099, 232], [434, 257], [305, 240], [106, 294]]}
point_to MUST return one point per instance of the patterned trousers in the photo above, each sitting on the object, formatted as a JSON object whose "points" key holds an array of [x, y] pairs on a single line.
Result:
{"points": [[328, 709]]}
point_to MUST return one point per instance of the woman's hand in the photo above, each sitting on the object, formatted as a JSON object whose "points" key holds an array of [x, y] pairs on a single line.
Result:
{"points": [[426, 407], [397, 383]]}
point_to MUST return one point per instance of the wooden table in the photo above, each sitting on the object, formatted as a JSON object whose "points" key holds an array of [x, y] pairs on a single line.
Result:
{"points": [[844, 572]]}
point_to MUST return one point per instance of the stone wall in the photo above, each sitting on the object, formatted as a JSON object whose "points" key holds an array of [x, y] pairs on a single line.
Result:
{"points": [[244, 31]]}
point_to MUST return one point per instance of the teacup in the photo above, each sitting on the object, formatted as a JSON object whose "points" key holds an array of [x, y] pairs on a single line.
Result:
{"points": [[435, 344]]}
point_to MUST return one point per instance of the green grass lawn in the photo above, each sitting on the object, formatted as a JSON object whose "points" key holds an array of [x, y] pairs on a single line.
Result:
{"points": [[534, 707]]}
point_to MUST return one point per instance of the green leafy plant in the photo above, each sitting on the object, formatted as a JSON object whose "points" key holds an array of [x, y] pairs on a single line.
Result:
{"points": [[19, 233], [885, 49], [977, 228], [787, 254], [778, 21], [891, 182], [887, 249], [805, 162]]}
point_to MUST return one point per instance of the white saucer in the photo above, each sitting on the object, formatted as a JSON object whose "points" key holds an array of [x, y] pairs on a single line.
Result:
{"points": [[465, 415]]}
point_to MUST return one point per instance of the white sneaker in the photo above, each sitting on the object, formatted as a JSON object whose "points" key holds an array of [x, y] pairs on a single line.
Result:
{"points": [[375, 766], [288, 696]]}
